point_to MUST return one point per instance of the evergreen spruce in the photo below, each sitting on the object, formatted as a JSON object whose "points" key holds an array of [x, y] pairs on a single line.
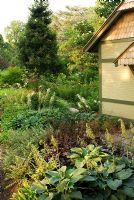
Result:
{"points": [[38, 45]]}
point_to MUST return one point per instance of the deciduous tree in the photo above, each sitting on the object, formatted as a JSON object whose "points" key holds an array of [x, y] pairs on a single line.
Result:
{"points": [[105, 7], [12, 34], [75, 26], [5, 53]]}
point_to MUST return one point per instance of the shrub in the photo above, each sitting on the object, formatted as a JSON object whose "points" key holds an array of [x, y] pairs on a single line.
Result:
{"points": [[12, 75], [70, 90], [89, 75], [62, 104], [67, 91]]}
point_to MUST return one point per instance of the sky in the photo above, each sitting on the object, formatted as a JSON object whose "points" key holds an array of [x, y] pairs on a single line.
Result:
{"points": [[18, 9]]}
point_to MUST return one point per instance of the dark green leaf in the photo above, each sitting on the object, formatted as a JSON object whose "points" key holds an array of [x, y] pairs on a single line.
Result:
{"points": [[76, 195], [114, 184], [128, 191], [129, 182], [113, 197], [124, 174], [89, 178], [121, 195], [120, 167]]}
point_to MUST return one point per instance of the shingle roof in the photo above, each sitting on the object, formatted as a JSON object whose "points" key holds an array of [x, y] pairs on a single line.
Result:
{"points": [[127, 57], [123, 28], [125, 5]]}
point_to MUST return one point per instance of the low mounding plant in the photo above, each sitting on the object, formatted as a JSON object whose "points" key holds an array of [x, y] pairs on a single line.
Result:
{"points": [[12, 75], [30, 119], [92, 174]]}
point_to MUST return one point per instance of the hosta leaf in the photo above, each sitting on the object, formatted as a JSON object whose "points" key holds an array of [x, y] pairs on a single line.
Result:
{"points": [[111, 169], [124, 174], [128, 191], [95, 151], [79, 171], [75, 179], [89, 178], [102, 185], [113, 197], [129, 182], [77, 150], [39, 188], [120, 167], [79, 163], [121, 195], [54, 177], [100, 168], [84, 152], [106, 193], [126, 160], [98, 197], [69, 172], [114, 184], [63, 185], [98, 159], [76, 195], [46, 197], [90, 147], [94, 197], [53, 173], [92, 164], [107, 164], [74, 156], [62, 169], [103, 155], [54, 180], [63, 197]]}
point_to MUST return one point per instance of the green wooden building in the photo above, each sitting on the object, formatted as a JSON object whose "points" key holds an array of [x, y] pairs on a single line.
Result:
{"points": [[114, 42]]}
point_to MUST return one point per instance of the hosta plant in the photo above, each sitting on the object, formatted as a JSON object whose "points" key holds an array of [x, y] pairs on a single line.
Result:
{"points": [[91, 156], [91, 175]]}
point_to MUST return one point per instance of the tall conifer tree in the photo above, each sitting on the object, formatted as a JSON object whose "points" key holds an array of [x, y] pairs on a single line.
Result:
{"points": [[38, 46]]}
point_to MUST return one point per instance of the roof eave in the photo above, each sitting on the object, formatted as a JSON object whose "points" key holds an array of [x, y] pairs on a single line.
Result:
{"points": [[95, 39], [116, 60], [106, 25]]}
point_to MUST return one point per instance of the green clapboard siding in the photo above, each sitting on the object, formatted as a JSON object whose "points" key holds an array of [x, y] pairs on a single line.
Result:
{"points": [[113, 50], [117, 82], [118, 110]]}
